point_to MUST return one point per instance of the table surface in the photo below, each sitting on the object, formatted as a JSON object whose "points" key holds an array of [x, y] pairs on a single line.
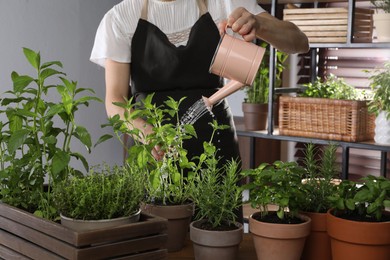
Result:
{"points": [[246, 250]]}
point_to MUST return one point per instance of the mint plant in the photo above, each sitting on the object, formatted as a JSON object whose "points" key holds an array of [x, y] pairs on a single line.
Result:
{"points": [[169, 178], [36, 135]]}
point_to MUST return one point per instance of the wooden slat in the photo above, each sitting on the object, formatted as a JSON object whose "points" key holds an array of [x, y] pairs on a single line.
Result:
{"points": [[36, 238], [322, 22], [121, 248], [20, 229], [316, 10], [25, 247], [324, 34], [7, 253], [323, 28], [327, 39], [314, 16]]}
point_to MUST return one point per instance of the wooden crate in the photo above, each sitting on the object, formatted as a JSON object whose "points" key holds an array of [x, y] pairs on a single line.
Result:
{"points": [[25, 236], [329, 25], [329, 119]]}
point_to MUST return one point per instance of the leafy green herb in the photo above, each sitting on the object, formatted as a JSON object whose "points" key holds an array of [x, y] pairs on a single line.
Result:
{"points": [[36, 135], [104, 193]]}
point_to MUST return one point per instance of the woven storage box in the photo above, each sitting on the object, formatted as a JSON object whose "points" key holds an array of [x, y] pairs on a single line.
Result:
{"points": [[329, 25], [330, 119]]}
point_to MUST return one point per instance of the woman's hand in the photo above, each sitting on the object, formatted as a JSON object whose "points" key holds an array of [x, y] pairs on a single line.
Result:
{"points": [[283, 35], [157, 153], [241, 21]]}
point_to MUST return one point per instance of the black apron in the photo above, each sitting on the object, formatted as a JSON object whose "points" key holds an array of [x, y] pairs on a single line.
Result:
{"points": [[158, 66]]}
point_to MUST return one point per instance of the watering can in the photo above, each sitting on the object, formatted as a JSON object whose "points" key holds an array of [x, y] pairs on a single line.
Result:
{"points": [[236, 60]]}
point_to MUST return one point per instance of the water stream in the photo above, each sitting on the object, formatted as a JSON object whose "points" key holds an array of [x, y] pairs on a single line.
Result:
{"points": [[196, 111]]}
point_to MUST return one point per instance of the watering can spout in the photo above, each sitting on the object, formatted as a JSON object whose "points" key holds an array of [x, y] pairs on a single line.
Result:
{"points": [[231, 87]]}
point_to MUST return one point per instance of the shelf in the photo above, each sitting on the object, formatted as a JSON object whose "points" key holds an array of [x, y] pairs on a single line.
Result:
{"points": [[369, 145], [382, 45], [268, 2]]}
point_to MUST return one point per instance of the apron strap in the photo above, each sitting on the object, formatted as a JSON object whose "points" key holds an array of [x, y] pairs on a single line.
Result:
{"points": [[144, 11], [202, 4]]}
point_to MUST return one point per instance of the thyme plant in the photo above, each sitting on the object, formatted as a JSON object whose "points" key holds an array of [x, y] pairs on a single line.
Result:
{"points": [[104, 193]]}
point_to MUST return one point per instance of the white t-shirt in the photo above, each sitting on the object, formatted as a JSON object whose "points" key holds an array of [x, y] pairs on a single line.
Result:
{"points": [[174, 18]]}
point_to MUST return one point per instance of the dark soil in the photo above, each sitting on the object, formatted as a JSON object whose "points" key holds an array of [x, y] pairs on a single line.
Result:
{"points": [[273, 218], [356, 217]]}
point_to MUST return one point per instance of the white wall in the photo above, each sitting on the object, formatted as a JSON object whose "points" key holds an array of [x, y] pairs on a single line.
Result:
{"points": [[61, 30]]}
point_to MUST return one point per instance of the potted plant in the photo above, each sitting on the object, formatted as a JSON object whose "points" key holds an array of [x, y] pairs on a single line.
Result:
{"points": [[37, 130], [358, 223], [277, 184], [380, 103], [215, 233], [169, 179], [382, 19], [255, 105], [105, 197], [327, 109], [36, 135], [320, 182]]}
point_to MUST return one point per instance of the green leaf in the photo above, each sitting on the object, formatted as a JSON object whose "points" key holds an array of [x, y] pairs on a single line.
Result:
{"points": [[70, 85], [103, 138], [25, 113], [17, 139], [80, 157], [82, 134], [49, 72], [20, 82], [50, 63], [84, 100], [33, 58], [60, 161], [53, 110]]}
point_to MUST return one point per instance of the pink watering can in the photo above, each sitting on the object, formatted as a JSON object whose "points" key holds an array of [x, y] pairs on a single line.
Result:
{"points": [[236, 60]]}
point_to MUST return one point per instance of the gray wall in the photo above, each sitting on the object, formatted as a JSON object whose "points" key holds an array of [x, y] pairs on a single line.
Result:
{"points": [[61, 30], [64, 30]]}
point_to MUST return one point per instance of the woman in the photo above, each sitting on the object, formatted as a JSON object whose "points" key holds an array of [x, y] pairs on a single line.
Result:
{"points": [[166, 47]]}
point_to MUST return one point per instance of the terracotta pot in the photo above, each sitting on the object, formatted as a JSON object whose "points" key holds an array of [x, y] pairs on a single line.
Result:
{"points": [[179, 218], [358, 240], [317, 244], [211, 245], [255, 116], [279, 241], [85, 225]]}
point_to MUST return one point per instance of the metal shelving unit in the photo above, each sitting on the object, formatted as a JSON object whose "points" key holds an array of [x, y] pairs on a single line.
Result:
{"points": [[272, 133]]}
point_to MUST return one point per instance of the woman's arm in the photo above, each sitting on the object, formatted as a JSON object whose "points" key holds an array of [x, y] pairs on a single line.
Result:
{"points": [[283, 35], [117, 90]]}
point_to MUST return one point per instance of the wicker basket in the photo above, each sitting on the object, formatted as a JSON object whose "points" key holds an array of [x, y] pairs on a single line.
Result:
{"points": [[329, 25], [330, 119]]}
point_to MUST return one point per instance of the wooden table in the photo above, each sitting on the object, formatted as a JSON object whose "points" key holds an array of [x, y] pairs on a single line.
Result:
{"points": [[246, 250]]}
